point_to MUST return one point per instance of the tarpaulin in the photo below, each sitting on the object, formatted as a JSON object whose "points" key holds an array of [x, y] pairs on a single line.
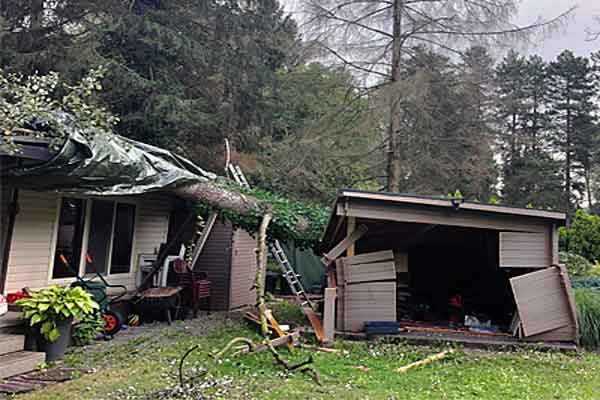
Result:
{"points": [[106, 164]]}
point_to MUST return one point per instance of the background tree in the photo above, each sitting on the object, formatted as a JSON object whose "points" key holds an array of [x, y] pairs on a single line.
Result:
{"points": [[572, 107], [530, 175], [323, 136], [376, 38]]}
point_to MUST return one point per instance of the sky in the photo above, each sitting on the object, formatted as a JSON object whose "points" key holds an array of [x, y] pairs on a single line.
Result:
{"points": [[572, 36]]}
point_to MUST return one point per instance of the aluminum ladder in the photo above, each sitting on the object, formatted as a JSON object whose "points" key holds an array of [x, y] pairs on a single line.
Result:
{"points": [[277, 252]]}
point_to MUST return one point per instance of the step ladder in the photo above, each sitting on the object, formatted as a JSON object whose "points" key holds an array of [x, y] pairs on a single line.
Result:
{"points": [[277, 252]]}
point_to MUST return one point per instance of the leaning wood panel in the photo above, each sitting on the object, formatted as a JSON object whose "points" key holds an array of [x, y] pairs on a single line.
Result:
{"points": [[565, 334], [542, 301], [368, 258], [375, 301], [525, 250], [369, 272]]}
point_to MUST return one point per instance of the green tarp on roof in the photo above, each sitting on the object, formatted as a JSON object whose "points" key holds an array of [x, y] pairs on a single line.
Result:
{"points": [[104, 164]]}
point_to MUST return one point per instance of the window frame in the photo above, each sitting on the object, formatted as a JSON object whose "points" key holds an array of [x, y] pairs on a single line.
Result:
{"points": [[86, 235]]}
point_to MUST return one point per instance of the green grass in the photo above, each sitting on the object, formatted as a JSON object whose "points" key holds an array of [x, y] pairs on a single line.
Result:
{"points": [[149, 363], [588, 307]]}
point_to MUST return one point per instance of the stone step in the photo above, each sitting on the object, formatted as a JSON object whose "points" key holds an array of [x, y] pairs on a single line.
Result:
{"points": [[20, 362], [9, 343]]}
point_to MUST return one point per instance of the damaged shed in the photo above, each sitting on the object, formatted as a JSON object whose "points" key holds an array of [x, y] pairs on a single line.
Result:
{"points": [[435, 262]]}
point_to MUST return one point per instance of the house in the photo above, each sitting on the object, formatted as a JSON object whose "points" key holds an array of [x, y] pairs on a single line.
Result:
{"points": [[436, 262], [103, 208]]}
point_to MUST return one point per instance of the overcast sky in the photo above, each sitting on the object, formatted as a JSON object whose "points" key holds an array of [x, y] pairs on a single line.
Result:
{"points": [[572, 36]]}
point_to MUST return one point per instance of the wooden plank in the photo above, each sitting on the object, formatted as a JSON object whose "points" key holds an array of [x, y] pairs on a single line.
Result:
{"points": [[525, 250], [350, 227], [401, 261], [370, 272], [374, 301], [566, 283], [329, 314], [564, 334], [447, 203], [343, 245], [367, 258], [542, 302], [402, 213], [203, 238]]}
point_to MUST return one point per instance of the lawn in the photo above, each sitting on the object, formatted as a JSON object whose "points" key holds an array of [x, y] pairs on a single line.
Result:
{"points": [[143, 365]]}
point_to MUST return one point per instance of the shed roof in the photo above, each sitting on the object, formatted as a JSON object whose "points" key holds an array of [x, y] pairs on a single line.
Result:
{"points": [[360, 204]]}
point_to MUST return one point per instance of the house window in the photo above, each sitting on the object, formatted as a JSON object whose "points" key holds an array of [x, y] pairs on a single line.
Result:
{"points": [[100, 237], [69, 239], [122, 239], [108, 245]]}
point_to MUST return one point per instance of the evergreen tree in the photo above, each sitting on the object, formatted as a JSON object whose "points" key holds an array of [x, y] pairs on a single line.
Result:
{"points": [[530, 176], [572, 107], [447, 146]]}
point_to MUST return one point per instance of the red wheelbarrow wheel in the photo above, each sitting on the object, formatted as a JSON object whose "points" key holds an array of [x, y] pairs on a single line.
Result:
{"points": [[112, 322]]}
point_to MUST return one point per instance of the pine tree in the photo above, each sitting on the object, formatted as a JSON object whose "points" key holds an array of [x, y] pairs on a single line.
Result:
{"points": [[530, 176], [572, 109]]}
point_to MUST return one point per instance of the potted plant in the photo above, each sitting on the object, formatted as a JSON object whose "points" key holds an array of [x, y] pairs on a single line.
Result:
{"points": [[52, 310]]}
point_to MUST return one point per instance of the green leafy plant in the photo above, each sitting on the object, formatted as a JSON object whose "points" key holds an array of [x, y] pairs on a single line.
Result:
{"points": [[588, 307], [49, 306], [583, 236], [287, 216], [579, 266], [87, 329]]}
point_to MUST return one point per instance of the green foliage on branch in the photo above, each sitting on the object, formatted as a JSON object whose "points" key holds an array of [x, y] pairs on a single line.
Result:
{"points": [[300, 222], [45, 106]]}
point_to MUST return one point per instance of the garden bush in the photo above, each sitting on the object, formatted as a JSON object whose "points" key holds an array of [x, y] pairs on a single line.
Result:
{"points": [[579, 266], [583, 236]]}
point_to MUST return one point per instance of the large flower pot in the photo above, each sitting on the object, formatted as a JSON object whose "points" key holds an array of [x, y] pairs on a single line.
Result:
{"points": [[56, 350]]}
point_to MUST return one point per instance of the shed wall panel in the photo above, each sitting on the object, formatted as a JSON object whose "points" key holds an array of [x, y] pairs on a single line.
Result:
{"points": [[542, 301], [215, 260], [525, 250], [243, 270]]}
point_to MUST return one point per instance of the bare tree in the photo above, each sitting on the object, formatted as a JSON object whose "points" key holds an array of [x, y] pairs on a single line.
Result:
{"points": [[374, 37], [593, 33]]}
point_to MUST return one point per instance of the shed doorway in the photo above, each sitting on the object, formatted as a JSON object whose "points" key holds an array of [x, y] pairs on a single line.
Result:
{"points": [[447, 275]]}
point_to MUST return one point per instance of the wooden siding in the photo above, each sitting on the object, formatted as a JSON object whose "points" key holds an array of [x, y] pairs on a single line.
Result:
{"points": [[215, 260], [32, 242], [373, 301], [525, 250], [542, 301], [243, 270], [32, 246], [362, 296]]}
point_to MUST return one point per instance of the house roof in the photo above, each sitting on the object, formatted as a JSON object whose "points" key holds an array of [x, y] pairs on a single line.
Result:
{"points": [[410, 208]]}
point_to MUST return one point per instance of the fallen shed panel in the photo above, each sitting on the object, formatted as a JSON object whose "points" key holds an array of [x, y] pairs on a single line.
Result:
{"points": [[542, 301]]}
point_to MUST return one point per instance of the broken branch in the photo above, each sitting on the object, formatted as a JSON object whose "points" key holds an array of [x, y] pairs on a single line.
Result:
{"points": [[425, 361]]}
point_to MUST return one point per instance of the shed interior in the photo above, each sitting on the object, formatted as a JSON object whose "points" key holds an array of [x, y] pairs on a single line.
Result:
{"points": [[450, 272]]}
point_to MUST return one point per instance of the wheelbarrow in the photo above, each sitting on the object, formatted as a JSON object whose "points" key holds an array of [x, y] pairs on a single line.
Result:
{"points": [[113, 318]]}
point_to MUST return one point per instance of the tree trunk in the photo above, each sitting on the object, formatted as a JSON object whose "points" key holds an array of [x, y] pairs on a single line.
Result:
{"points": [[219, 198], [395, 126]]}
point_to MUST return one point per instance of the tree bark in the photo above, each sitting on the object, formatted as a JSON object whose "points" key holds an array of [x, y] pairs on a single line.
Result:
{"points": [[220, 198], [394, 162]]}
